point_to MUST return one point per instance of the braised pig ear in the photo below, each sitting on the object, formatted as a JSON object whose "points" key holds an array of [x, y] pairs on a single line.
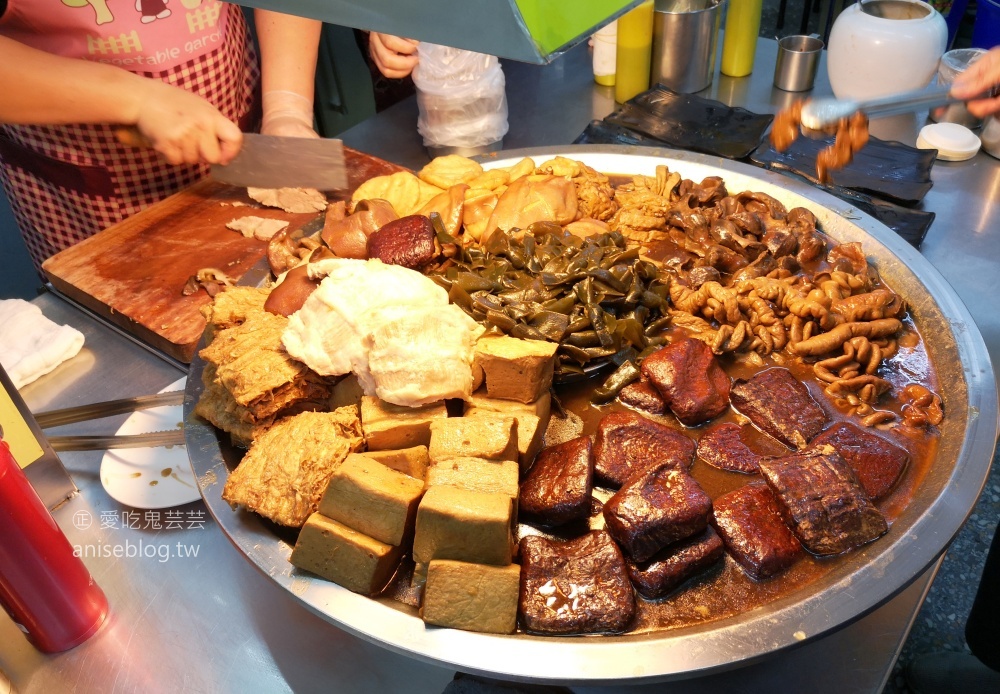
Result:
{"points": [[283, 250], [450, 205], [348, 238], [532, 199]]}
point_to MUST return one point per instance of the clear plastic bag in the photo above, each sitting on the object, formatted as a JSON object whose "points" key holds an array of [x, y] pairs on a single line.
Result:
{"points": [[461, 96]]}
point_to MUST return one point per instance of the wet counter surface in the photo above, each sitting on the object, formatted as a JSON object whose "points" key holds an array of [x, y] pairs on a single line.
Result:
{"points": [[189, 613]]}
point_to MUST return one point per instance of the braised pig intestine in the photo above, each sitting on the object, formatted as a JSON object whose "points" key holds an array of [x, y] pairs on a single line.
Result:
{"points": [[851, 136]]}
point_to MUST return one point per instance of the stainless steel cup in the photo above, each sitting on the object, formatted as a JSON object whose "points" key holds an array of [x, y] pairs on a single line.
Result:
{"points": [[798, 58], [685, 34]]}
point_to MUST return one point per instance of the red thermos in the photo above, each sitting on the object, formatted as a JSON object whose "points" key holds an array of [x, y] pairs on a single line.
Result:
{"points": [[45, 588]]}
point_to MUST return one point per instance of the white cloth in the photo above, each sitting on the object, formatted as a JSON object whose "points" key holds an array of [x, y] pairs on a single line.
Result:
{"points": [[31, 345]]}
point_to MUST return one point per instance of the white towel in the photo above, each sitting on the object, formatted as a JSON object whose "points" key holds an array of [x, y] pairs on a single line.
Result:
{"points": [[31, 345]]}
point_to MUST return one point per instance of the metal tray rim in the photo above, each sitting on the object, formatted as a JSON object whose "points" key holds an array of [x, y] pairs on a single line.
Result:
{"points": [[873, 575]]}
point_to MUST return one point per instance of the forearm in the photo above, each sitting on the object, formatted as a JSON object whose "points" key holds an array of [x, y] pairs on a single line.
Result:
{"points": [[42, 88], [288, 52]]}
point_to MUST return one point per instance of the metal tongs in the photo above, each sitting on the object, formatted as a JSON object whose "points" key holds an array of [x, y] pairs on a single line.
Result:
{"points": [[818, 114], [81, 413]]}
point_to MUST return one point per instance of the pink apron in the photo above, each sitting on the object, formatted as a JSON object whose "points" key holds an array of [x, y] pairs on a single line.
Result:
{"points": [[66, 183]]}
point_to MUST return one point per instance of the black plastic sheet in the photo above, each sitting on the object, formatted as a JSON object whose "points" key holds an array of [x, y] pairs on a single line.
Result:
{"points": [[885, 179]]}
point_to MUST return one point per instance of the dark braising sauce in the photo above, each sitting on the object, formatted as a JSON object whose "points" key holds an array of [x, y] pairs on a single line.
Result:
{"points": [[726, 590]]}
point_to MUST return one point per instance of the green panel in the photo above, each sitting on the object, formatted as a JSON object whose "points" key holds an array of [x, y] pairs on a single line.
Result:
{"points": [[555, 23]]}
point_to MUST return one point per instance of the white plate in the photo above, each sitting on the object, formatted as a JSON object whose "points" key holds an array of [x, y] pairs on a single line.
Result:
{"points": [[151, 477]]}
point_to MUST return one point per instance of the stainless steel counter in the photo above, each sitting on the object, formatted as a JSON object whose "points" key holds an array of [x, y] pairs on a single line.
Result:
{"points": [[203, 619]]}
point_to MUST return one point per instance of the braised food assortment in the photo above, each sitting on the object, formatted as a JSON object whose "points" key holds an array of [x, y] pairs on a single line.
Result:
{"points": [[547, 400]]}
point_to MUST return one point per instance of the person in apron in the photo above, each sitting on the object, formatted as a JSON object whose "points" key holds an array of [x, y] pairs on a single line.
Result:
{"points": [[183, 73]]}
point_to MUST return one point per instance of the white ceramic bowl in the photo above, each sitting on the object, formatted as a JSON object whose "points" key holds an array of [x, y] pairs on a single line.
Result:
{"points": [[871, 56]]}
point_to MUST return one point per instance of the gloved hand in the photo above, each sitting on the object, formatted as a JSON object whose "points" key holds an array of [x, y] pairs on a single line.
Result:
{"points": [[287, 114]]}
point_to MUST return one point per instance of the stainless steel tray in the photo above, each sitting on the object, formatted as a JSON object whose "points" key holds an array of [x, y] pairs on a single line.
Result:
{"points": [[862, 582]]}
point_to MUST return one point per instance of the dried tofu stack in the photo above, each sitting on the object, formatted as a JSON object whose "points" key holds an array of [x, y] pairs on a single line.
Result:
{"points": [[254, 367], [283, 475], [232, 306]]}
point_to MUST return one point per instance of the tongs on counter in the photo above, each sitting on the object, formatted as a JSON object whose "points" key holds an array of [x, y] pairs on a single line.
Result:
{"points": [[71, 415], [818, 114]]}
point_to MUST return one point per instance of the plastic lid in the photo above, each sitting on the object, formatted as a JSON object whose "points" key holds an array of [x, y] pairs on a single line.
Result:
{"points": [[952, 141]]}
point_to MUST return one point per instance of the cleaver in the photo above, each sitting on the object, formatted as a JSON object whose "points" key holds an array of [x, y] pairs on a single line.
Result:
{"points": [[270, 161]]}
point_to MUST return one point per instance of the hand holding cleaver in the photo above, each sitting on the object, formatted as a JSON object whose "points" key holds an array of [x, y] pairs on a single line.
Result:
{"points": [[271, 161]]}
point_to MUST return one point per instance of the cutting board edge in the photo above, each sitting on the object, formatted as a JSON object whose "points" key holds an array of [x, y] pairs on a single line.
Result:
{"points": [[181, 352]]}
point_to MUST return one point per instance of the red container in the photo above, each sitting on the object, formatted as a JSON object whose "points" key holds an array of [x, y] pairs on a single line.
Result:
{"points": [[45, 588]]}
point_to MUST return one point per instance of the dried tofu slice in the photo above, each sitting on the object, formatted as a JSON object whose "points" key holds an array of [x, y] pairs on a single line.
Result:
{"points": [[283, 475]]}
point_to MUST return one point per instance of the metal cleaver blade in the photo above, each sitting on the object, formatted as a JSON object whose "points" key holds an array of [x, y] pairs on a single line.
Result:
{"points": [[269, 161]]}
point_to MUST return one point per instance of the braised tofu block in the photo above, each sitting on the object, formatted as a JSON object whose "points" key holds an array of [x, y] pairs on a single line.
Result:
{"points": [[675, 563], [252, 364], [410, 461], [486, 437], [654, 509], [463, 525], [369, 497], [877, 463], [575, 587], [482, 402], [530, 438], [823, 502], [780, 405], [722, 447], [473, 597], [333, 551], [346, 391], [689, 378], [475, 474], [530, 434], [515, 369], [284, 474], [750, 523], [627, 443], [642, 395], [389, 426], [532, 420], [558, 486]]}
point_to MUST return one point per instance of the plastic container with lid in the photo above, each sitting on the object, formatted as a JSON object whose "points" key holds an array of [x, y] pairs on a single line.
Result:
{"points": [[461, 99], [953, 63], [953, 142]]}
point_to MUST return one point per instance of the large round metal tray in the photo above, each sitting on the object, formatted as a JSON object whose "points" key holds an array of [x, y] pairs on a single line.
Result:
{"points": [[856, 586]]}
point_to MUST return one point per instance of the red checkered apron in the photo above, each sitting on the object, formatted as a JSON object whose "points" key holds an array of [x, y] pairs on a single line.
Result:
{"points": [[66, 183]]}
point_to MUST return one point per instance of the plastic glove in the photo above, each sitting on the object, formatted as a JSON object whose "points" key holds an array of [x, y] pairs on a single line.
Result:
{"points": [[184, 127], [394, 57], [287, 114]]}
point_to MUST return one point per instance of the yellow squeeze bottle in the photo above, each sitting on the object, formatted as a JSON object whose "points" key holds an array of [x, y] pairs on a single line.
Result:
{"points": [[634, 53], [740, 41]]}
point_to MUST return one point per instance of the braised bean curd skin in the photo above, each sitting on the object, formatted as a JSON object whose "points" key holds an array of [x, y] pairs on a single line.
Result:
{"points": [[657, 403]]}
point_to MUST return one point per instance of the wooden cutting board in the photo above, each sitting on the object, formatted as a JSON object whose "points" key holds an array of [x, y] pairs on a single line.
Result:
{"points": [[133, 272]]}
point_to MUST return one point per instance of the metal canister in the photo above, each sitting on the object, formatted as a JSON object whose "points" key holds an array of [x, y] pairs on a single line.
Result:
{"points": [[685, 34]]}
